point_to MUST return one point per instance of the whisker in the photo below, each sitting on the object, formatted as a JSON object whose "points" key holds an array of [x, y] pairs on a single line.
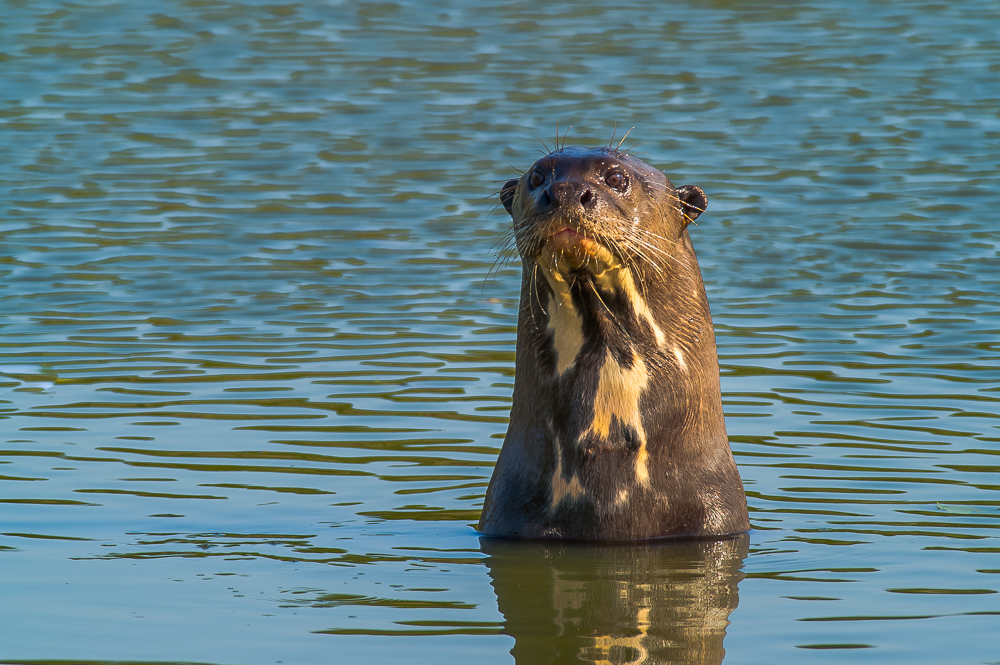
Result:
{"points": [[624, 137], [614, 319], [655, 250], [533, 288], [505, 248], [658, 251], [564, 136], [643, 251]]}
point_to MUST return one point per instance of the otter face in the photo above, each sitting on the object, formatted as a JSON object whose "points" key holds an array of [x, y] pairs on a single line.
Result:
{"points": [[591, 210]]}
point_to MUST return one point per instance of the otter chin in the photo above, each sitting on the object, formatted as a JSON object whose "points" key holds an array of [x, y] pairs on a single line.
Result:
{"points": [[616, 430], [570, 251]]}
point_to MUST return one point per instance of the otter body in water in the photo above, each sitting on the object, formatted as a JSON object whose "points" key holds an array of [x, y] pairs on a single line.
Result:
{"points": [[616, 430]]}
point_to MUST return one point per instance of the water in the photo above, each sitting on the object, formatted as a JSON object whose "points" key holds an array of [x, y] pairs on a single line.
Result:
{"points": [[253, 375]]}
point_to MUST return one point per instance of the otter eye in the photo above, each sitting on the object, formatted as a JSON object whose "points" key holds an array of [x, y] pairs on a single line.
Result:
{"points": [[616, 180], [535, 179]]}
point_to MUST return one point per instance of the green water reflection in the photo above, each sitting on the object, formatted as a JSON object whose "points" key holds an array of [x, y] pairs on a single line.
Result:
{"points": [[652, 603]]}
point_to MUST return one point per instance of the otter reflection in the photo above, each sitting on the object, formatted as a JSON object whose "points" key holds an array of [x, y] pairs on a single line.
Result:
{"points": [[667, 602]]}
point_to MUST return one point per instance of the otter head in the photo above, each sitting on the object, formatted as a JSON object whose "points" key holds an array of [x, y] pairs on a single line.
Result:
{"points": [[587, 211]]}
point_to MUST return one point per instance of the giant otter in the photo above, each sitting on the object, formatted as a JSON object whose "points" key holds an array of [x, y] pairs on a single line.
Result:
{"points": [[616, 431]]}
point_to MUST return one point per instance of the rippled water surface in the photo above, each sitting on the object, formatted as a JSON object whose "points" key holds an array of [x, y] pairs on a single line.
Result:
{"points": [[253, 375]]}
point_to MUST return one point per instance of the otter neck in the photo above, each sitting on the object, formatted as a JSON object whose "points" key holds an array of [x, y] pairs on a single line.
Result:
{"points": [[584, 311], [609, 378], [599, 345]]}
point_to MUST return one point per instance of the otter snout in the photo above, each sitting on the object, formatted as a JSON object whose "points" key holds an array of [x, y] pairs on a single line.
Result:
{"points": [[566, 195]]}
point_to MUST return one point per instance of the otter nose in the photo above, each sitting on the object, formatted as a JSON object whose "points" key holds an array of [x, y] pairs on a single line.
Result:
{"points": [[567, 194]]}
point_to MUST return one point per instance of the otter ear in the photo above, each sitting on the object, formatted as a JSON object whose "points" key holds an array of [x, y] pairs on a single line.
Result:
{"points": [[693, 201], [507, 195]]}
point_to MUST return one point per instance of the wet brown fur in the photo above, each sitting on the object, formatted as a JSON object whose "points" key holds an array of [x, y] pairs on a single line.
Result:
{"points": [[616, 430]]}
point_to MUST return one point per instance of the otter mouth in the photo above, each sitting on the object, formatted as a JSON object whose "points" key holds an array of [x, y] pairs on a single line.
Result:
{"points": [[566, 251], [568, 239]]}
